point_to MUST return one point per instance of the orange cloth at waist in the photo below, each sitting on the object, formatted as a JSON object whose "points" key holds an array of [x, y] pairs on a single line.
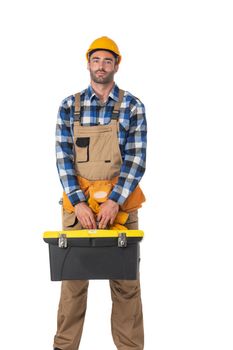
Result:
{"points": [[99, 190]]}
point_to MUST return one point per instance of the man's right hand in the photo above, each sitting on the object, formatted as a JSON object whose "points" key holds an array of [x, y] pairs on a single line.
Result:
{"points": [[85, 215]]}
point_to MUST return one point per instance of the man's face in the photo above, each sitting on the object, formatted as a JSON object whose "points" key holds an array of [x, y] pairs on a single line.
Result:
{"points": [[102, 66]]}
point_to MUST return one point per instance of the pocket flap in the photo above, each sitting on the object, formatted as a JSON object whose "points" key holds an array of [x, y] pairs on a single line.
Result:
{"points": [[69, 219], [83, 141]]}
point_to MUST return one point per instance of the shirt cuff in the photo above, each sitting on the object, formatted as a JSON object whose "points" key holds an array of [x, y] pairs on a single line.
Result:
{"points": [[77, 197], [119, 195]]}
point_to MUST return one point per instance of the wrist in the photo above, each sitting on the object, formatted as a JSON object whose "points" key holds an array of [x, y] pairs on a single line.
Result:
{"points": [[113, 203], [80, 203]]}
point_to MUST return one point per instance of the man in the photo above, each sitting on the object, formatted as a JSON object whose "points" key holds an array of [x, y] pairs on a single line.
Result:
{"points": [[101, 136]]}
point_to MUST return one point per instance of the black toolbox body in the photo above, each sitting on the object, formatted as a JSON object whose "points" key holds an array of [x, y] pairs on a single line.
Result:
{"points": [[94, 254]]}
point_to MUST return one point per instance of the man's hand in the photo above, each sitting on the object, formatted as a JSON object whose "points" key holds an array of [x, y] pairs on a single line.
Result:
{"points": [[108, 212], [85, 215]]}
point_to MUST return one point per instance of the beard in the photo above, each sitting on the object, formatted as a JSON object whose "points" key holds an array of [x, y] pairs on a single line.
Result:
{"points": [[104, 79]]}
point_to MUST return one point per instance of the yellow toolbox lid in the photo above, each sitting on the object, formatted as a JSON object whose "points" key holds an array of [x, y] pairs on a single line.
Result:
{"points": [[93, 233]]}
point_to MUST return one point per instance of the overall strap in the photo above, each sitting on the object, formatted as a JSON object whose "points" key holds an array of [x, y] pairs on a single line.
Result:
{"points": [[117, 106], [77, 107], [115, 113]]}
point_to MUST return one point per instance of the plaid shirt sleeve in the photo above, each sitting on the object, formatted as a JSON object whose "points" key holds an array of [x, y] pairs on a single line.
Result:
{"points": [[134, 162], [65, 154]]}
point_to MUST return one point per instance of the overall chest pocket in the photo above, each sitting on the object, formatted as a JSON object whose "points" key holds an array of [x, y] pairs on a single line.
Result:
{"points": [[101, 147], [82, 145]]}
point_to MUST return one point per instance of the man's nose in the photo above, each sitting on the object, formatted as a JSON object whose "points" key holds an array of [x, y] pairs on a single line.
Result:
{"points": [[101, 64]]}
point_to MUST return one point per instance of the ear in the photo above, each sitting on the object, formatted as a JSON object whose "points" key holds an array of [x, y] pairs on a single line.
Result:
{"points": [[116, 68], [88, 65]]}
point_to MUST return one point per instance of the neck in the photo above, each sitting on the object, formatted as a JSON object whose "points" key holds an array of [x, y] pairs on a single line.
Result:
{"points": [[102, 90]]}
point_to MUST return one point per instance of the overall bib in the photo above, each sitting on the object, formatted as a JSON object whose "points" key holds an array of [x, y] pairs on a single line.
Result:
{"points": [[98, 158]]}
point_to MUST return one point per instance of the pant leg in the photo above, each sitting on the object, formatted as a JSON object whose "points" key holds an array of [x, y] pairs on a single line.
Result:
{"points": [[73, 301], [127, 316], [71, 314]]}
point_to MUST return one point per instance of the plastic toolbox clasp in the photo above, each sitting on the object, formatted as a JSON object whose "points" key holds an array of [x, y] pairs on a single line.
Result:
{"points": [[122, 240], [62, 241]]}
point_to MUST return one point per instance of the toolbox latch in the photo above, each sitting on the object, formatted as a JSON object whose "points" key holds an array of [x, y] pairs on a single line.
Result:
{"points": [[62, 241], [122, 240]]}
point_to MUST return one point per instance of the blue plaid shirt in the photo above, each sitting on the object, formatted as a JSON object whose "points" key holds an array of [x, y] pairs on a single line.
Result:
{"points": [[131, 136]]}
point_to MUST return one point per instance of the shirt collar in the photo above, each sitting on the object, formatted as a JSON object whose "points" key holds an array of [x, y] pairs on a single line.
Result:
{"points": [[114, 93]]}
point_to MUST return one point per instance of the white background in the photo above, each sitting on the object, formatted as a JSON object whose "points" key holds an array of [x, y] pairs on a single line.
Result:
{"points": [[177, 58]]}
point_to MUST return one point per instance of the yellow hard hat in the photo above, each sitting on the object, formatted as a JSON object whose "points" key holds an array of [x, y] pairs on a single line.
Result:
{"points": [[104, 43]]}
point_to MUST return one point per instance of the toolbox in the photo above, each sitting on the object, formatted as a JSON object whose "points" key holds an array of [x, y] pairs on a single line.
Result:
{"points": [[94, 254]]}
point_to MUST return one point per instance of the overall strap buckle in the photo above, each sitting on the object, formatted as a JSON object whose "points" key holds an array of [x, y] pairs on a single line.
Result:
{"points": [[117, 106]]}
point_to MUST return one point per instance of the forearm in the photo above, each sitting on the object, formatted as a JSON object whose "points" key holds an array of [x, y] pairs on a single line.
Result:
{"points": [[70, 184], [127, 182]]}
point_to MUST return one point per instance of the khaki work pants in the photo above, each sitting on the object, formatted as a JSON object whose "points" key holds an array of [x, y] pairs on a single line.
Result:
{"points": [[126, 317]]}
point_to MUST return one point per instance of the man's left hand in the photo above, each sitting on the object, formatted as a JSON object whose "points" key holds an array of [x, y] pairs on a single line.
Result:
{"points": [[108, 213]]}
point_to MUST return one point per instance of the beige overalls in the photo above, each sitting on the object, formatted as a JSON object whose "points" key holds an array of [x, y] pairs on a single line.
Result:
{"points": [[98, 157]]}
